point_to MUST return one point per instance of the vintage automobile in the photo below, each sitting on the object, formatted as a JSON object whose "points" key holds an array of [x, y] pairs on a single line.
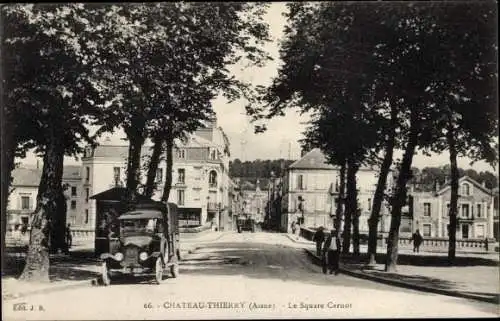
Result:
{"points": [[245, 222], [147, 244]]}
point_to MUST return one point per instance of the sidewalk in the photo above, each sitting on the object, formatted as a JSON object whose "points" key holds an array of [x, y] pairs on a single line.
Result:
{"points": [[66, 271], [80, 268], [473, 277]]}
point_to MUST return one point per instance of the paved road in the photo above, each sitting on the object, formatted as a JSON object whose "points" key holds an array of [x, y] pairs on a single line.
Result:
{"points": [[247, 276]]}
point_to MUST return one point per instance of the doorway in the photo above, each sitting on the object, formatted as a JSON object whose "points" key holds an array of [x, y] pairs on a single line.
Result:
{"points": [[465, 231]]}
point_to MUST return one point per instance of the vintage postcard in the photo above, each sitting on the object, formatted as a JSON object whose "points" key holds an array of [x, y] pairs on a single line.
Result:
{"points": [[248, 160]]}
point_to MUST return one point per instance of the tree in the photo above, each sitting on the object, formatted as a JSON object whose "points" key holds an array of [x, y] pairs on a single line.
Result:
{"points": [[464, 88], [330, 69], [53, 90], [175, 66]]}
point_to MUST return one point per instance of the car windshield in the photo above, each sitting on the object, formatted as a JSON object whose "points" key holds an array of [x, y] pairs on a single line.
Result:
{"points": [[140, 226]]}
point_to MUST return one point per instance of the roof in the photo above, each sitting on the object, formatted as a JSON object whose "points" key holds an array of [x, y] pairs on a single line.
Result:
{"points": [[469, 179], [31, 176], [139, 214], [314, 159], [116, 193], [26, 177]]}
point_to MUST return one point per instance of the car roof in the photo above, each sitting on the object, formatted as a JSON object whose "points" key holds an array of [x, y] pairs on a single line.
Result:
{"points": [[141, 214]]}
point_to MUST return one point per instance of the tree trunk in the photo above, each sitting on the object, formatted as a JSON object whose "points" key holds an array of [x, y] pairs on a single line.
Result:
{"points": [[169, 159], [340, 202], [7, 151], [58, 220], [346, 244], [454, 194], [133, 164], [399, 197], [49, 190], [378, 198], [154, 162], [352, 202]]}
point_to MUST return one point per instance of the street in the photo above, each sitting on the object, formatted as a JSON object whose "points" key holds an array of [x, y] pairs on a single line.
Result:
{"points": [[247, 275]]}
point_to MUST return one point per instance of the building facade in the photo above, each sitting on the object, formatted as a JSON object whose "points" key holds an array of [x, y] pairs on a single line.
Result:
{"points": [[200, 180], [310, 188], [255, 199], [24, 192], [475, 211]]}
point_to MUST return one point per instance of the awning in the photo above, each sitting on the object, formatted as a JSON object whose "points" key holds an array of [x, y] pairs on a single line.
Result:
{"points": [[143, 214]]}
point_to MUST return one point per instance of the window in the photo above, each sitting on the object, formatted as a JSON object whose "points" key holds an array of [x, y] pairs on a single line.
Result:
{"points": [[447, 209], [181, 153], [181, 175], [87, 195], [300, 182], [180, 197], [212, 179], [159, 175], [73, 190], [369, 204], [427, 209], [116, 174], [465, 189], [87, 174], [465, 210], [478, 214], [320, 203], [213, 154], [25, 203], [86, 216], [427, 230], [73, 205], [479, 231]]}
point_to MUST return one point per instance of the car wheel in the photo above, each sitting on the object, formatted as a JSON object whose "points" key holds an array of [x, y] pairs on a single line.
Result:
{"points": [[174, 270], [159, 270], [106, 279]]}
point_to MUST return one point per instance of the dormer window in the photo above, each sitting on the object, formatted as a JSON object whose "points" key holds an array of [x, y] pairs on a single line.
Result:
{"points": [[465, 189], [213, 154], [181, 153]]}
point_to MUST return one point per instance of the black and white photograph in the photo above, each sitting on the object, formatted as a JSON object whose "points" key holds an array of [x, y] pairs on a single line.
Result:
{"points": [[249, 160]]}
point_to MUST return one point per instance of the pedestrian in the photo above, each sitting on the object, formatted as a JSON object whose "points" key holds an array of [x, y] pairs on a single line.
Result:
{"points": [[331, 251], [298, 229], [319, 238], [294, 227], [417, 240], [69, 238]]}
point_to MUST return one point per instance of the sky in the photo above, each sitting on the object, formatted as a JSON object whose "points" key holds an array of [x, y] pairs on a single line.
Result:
{"points": [[282, 135]]}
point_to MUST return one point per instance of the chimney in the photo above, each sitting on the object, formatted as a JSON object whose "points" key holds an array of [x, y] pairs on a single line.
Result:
{"points": [[484, 184], [437, 186]]}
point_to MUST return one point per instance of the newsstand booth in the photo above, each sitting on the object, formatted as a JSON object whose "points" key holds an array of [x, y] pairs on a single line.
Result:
{"points": [[110, 205]]}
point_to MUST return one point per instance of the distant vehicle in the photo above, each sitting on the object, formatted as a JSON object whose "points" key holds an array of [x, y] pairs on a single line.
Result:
{"points": [[245, 222], [148, 243]]}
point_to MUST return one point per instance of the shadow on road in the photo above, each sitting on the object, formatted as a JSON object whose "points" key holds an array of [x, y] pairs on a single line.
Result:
{"points": [[74, 267]]}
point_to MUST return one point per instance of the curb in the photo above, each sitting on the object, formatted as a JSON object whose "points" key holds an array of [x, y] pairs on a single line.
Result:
{"points": [[407, 285], [291, 238], [51, 288]]}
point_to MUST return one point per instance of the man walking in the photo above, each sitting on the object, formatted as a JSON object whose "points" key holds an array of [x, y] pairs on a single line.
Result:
{"points": [[417, 240], [319, 238], [331, 252], [69, 238]]}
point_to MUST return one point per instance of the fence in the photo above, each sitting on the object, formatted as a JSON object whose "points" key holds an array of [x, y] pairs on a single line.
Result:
{"points": [[430, 242]]}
